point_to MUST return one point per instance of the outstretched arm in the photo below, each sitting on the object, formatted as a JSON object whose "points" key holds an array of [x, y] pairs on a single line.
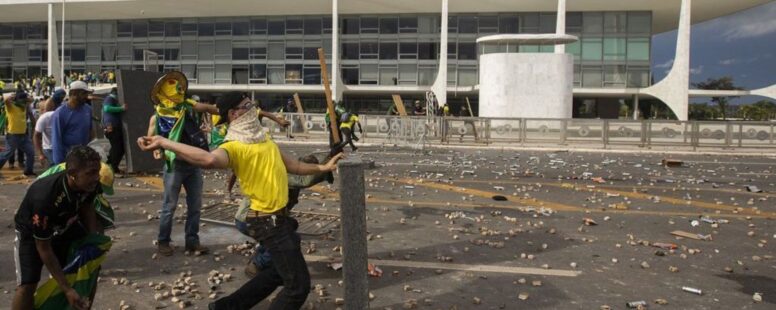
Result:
{"points": [[217, 159], [295, 166]]}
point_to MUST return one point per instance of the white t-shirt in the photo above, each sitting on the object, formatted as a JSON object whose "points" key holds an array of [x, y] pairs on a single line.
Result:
{"points": [[44, 126]]}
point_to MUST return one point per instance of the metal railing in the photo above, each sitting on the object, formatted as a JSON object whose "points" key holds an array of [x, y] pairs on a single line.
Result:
{"points": [[410, 130]]}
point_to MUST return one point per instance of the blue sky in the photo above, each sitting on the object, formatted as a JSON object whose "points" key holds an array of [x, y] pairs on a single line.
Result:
{"points": [[742, 45]]}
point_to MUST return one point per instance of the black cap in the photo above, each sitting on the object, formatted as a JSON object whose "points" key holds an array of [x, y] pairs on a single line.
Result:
{"points": [[227, 102]]}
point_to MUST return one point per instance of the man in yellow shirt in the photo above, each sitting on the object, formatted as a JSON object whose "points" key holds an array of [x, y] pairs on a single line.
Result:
{"points": [[261, 169], [347, 122], [16, 137]]}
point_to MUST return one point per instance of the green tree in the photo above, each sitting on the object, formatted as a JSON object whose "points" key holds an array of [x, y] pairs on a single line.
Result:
{"points": [[723, 83]]}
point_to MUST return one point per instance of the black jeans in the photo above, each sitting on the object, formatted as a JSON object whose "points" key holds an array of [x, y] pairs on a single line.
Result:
{"points": [[116, 154], [287, 267]]}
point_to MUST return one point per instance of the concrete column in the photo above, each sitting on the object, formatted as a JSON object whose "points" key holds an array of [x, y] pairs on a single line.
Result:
{"points": [[674, 89], [53, 64], [636, 107], [354, 247], [440, 85], [560, 26], [337, 87]]}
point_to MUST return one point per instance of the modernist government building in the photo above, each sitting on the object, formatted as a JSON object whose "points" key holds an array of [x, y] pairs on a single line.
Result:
{"points": [[373, 48]]}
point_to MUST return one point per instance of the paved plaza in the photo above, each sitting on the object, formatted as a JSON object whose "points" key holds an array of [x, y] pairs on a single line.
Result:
{"points": [[463, 228]]}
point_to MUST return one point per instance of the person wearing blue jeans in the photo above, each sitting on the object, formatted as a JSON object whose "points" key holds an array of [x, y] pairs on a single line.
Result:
{"points": [[19, 142], [190, 178]]}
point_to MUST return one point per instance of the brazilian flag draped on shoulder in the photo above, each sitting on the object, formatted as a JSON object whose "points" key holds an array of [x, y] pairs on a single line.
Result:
{"points": [[105, 215], [81, 272], [171, 108]]}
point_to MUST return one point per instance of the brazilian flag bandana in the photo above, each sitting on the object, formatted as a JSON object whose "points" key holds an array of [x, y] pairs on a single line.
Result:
{"points": [[81, 272], [3, 120]]}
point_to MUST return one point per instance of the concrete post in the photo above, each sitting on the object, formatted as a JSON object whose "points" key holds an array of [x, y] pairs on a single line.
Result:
{"points": [[354, 248], [635, 107], [440, 84], [560, 26], [337, 86], [53, 64]]}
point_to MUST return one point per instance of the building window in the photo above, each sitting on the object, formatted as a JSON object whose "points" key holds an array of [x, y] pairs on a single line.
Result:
{"points": [[488, 24], [369, 25], [614, 76], [369, 50], [508, 24], [350, 50], [547, 22], [312, 26], [172, 29], [573, 22], [427, 24], [206, 51], [427, 51], [467, 24], [258, 74], [350, 75], [615, 22], [124, 29], [639, 22], [408, 24], [638, 76], [293, 74], [294, 52], [241, 28], [206, 30], [351, 25], [591, 49], [368, 74], [294, 26], [258, 26], [408, 50], [223, 28], [592, 22], [276, 74], [467, 75], [408, 74], [189, 28], [591, 76], [388, 75], [638, 49], [277, 51], [529, 23], [614, 48], [312, 75], [109, 30], [276, 27], [426, 75], [258, 52], [311, 53], [467, 51], [388, 50], [389, 25], [155, 28]]}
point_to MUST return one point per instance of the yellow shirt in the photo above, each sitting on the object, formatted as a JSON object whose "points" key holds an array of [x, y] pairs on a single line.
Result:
{"points": [[17, 118], [351, 121], [262, 173]]}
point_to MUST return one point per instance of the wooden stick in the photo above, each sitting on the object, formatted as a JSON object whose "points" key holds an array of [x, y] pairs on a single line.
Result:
{"points": [[399, 105], [329, 104], [300, 110]]}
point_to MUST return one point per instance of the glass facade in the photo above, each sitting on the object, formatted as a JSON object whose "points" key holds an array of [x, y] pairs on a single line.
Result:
{"points": [[613, 51]]}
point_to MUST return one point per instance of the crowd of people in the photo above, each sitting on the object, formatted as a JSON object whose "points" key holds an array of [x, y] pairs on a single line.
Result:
{"points": [[62, 126]]}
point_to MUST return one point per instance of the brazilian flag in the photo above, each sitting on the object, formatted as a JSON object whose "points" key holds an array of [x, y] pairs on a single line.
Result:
{"points": [[81, 271]]}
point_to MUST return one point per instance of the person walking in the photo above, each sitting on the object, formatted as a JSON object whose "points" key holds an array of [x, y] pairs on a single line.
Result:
{"points": [[71, 124], [42, 136], [347, 122], [113, 127]]}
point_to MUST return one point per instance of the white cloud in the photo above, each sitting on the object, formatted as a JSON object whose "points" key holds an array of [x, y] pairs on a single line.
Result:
{"points": [[665, 65], [697, 70], [728, 62], [758, 21]]}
